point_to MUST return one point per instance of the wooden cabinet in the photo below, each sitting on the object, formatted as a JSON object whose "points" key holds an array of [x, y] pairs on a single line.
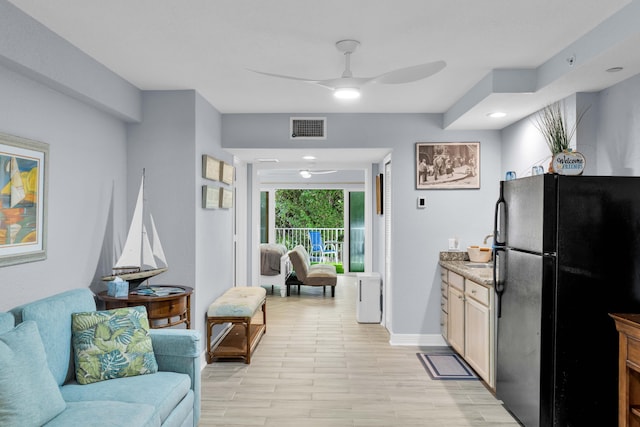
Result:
{"points": [[455, 331], [470, 322], [444, 303], [628, 326], [162, 311], [456, 320], [477, 338]]}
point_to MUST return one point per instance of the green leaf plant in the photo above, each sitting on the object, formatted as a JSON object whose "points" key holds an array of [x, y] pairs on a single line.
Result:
{"points": [[551, 122]]}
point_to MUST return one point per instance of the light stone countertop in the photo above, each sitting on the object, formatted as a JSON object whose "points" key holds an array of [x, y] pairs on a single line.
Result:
{"points": [[457, 262]]}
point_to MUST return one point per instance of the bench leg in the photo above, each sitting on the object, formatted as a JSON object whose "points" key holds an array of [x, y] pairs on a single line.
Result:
{"points": [[333, 291], [264, 315], [209, 327], [247, 334]]}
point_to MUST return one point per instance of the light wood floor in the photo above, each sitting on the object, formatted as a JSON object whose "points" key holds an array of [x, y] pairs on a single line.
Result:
{"points": [[316, 366]]}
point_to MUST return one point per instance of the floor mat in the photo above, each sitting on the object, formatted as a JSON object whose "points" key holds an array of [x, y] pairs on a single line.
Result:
{"points": [[446, 367]]}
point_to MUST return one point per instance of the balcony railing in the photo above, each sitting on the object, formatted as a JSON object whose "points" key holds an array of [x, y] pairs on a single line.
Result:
{"points": [[291, 237]]}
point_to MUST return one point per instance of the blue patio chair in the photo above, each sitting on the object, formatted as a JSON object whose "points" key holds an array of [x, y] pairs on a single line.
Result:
{"points": [[319, 250]]}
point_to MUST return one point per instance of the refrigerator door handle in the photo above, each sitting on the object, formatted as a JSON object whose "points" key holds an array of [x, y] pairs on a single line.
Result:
{"points": [[498, 237], [498, 284]]}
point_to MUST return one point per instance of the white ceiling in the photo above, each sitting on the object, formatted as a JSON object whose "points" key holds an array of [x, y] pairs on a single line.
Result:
{"points": [[210, 45]]}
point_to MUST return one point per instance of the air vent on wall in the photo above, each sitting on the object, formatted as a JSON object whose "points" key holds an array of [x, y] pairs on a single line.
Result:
{"points": [[308, 128]]}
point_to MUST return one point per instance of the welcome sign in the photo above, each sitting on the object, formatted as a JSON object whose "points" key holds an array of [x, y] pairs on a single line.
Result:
{"points": [[568, 163]]}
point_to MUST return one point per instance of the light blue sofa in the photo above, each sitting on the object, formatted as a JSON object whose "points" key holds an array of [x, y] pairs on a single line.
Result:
{"points": [[170, 397]]}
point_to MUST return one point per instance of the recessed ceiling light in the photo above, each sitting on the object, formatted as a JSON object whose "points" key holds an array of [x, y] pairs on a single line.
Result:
{"points": [[309, 157], [268, 160], [497, 114], [614, 69]]}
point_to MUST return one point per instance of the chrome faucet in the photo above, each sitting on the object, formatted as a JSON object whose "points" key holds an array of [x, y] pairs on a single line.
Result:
{"points": [[484, 242]]}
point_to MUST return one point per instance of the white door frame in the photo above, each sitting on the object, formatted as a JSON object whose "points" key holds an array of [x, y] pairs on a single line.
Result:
{"points": [[239, 226], [257, 187], [387, 292]]}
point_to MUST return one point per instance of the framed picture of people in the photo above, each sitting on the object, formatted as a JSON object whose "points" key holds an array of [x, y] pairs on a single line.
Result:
{"points": [[447, 165]]}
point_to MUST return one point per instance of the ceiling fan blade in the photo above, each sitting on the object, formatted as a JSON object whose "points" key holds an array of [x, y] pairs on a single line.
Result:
{"points": [[410, 74], [281, 76], [321, 172]]}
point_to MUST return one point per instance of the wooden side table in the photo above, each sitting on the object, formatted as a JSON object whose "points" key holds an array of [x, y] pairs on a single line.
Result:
{"points": [[162, 311], [628, 326]]}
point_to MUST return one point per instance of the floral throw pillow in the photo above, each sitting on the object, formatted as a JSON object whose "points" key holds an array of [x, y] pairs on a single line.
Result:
{"points": [[112, 344]]}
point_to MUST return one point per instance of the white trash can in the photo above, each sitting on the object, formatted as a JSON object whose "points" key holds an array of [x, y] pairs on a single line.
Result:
{"points": [[369, 301]]}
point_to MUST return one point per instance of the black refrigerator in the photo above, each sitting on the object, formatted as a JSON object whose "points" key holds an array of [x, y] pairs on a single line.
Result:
{"points": [[567, 253]]}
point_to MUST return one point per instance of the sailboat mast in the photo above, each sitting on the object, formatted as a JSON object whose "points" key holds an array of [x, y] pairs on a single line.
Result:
{"points": [[143, 230]]}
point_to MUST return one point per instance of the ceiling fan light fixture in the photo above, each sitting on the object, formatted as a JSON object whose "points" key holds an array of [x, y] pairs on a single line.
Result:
{"points": [[305, 174], [347, 93]]}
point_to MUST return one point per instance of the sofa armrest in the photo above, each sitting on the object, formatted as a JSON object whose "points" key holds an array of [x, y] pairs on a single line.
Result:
{"points": [[179, 350], [285, 265]]}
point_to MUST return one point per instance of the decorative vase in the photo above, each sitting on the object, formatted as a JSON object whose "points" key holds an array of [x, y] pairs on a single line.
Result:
{"points": [[551, 170]]}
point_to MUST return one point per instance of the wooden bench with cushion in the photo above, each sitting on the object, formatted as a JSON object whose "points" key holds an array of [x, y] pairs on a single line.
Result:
{"points": [[311, 275], [237, 306]]}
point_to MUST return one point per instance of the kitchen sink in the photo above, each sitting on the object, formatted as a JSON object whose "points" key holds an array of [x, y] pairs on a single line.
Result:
{"points": [[478, 265]]}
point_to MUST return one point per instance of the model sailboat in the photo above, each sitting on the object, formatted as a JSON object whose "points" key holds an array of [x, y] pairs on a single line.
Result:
{"points": [[141, 257]]}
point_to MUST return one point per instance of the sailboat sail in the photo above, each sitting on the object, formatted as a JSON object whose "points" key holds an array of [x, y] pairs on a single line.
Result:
{"points": [[158, 252], [140, 258], [131, 256]]}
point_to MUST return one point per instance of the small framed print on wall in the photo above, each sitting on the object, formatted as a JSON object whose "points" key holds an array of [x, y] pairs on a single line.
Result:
{"points": [[210, 197], [210, 168], [379, 193], [226, 174], [226, 198]]}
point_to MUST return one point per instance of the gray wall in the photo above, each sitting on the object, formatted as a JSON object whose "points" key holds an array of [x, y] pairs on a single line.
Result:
{"points": [[35, 51], [177, 128], [418, 235], [164, 145], [618, 129], [102, 132], [87, 186], [607, 135], [214, 228]]}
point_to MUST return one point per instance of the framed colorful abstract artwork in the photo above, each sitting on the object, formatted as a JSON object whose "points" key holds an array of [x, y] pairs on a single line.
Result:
{"points": [[23, 200]]}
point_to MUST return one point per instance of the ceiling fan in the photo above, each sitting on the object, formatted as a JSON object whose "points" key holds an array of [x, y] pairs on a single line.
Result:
{"points": [[307, 173], [348, 87]]}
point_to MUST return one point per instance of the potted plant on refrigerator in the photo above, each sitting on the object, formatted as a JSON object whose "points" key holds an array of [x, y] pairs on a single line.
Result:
{"points": [[551, 122]]}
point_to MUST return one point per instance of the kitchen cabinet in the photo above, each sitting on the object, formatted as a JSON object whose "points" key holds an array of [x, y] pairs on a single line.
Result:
{"points": [[470, 320], [456, 327], [444, 302], [477, 324], [628, 326]]}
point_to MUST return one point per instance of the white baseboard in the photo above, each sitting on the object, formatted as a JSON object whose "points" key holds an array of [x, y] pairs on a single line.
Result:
{"points": [[203, 360], [426, 340]]}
